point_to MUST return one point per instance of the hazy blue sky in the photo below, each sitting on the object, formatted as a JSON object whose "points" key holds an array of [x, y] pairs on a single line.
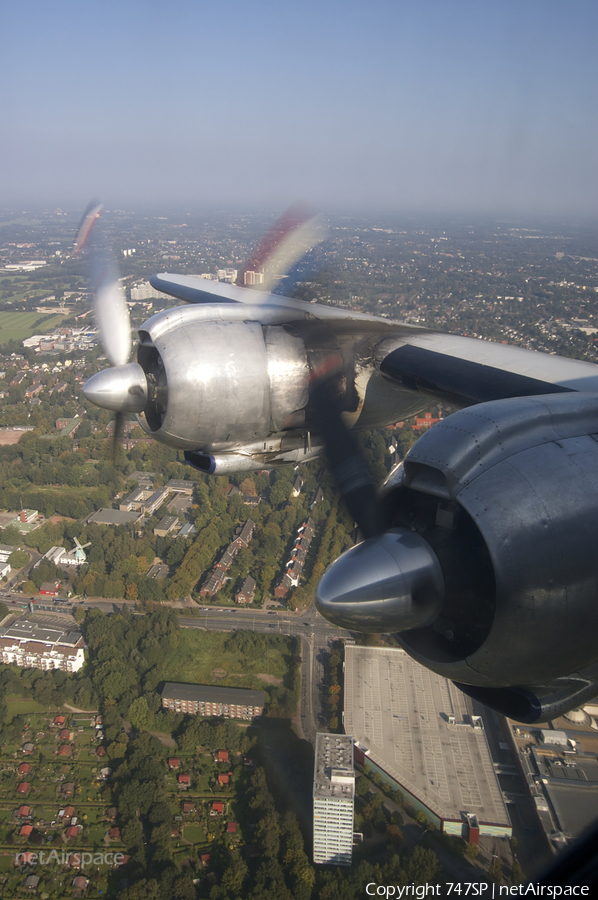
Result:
{"points": [[428, 105]]}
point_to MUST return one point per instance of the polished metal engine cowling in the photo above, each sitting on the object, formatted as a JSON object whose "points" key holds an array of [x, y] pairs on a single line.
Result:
{"points": [[218, 383]]}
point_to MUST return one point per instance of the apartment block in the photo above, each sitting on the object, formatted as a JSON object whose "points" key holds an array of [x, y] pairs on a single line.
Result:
{"points": [[334, 798], [213, 700]]}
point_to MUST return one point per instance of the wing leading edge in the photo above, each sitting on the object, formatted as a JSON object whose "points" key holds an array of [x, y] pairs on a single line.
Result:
{"points": [[464, 371], [197, 290], [456, 369]]}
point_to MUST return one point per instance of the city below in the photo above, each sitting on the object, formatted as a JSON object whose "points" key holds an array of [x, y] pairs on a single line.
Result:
{"points": [[176, 718]]}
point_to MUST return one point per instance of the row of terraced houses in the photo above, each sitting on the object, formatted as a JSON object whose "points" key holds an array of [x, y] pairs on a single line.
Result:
{"points": [[217, 575]]}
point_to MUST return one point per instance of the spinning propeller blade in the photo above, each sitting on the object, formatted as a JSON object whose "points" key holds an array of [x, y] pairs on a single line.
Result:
{"points": [[392, 581], [348, 467], [110, 307], [122, 388]]}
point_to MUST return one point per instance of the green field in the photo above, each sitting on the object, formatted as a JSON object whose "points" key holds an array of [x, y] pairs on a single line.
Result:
{"points": [[19, 325], [200, 653], [19, 706]]}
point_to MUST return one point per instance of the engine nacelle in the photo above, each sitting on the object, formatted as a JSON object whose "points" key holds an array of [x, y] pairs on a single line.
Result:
{"points": [[220, 383], [234, 392], [505, 495]]}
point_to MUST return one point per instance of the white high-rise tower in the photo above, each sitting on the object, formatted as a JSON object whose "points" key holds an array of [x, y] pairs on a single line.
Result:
{"points": [[334, 795]]}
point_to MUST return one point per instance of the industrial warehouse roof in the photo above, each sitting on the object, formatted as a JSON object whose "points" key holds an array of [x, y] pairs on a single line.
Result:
{"points": [[418, 728], [571, 783], [209, 693], [574, 805]]}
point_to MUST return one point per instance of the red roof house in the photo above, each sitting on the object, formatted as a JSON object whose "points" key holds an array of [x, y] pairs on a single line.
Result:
{"points": [[23, 787], [223, 756], [231, 828], [218, 806], [173, 762], [26, 831], [184, 779], [50, 589], [24, 769]]}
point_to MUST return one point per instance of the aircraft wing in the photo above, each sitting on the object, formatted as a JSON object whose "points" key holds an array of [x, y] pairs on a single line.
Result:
{"points": [[463, 371], [456, 369], [194, 289]]}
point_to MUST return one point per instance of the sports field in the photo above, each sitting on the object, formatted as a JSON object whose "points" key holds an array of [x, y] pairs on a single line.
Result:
{"points": [[17, 326]]}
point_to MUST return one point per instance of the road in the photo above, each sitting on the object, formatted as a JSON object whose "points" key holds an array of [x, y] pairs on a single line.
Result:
{"points": [[316, 635], [315, 632]]}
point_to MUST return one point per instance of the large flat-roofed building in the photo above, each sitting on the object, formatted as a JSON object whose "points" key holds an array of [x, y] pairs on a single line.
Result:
{"points": [[213, 700], [155, 501], [134, 501], [180, 487], [562, 780], [334, 797], [31, 642], [145, 499], [166, 525], [5, 551], [113, 517], [418, 731]]}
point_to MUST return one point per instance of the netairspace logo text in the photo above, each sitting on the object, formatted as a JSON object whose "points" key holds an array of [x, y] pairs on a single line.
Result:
{"points": [[66, 858]]}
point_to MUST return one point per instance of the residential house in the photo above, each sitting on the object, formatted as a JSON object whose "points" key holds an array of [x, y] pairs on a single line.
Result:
{"points": [[246, 592]]}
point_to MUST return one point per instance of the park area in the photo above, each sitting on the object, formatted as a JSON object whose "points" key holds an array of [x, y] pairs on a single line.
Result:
{"points": [[17, 326], [268, 663], [242, 659]]}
